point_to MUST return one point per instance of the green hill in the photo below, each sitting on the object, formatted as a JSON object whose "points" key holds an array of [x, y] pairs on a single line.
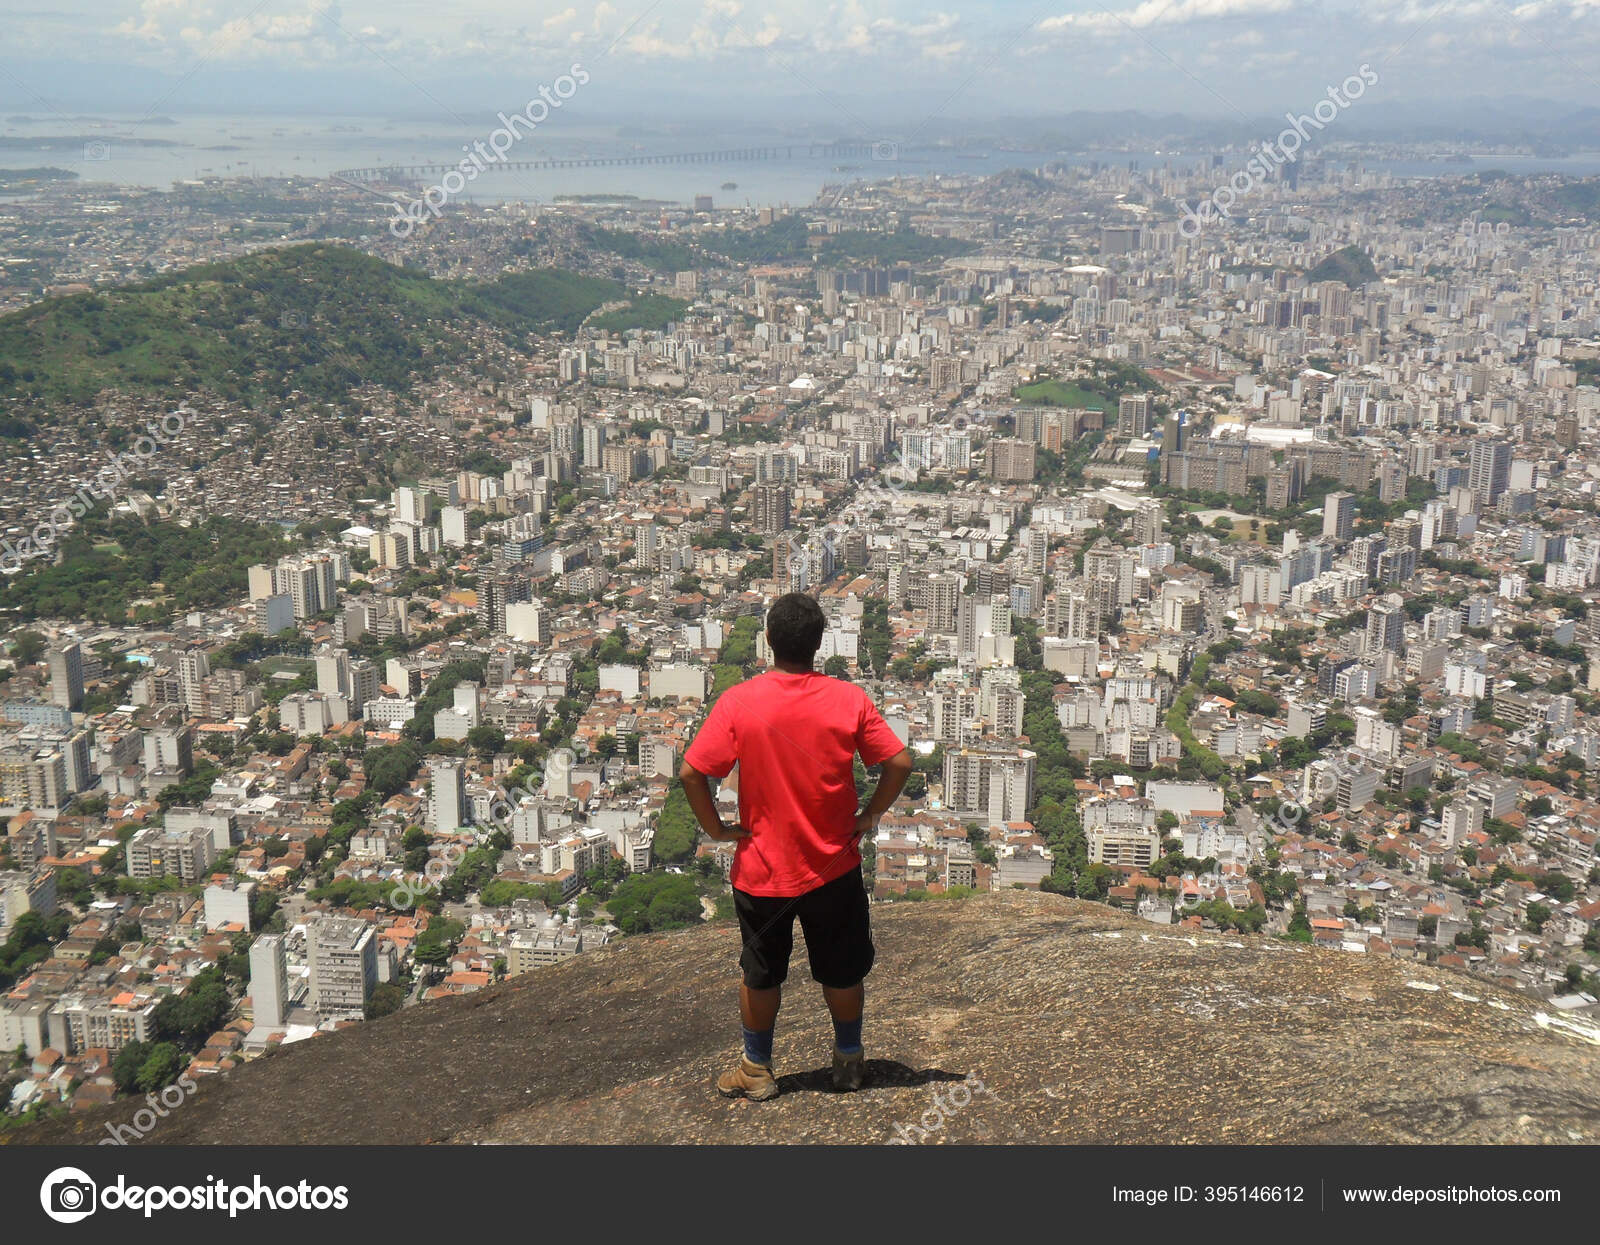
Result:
{"points": [[1351, 265], [318, 319]]}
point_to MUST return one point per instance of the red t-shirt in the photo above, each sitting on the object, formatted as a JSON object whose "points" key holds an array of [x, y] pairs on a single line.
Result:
{"points": [[794, 738]]}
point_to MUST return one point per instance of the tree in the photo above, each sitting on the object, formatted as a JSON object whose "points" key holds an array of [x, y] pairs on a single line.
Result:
{"points": [[1535, 916], [676, 828], [160, 1068], [188, 1019], [27, 647], [653, 901], [438, 941], [486, 740], [836, 667], [386, 999], [126, 1066], [390, 768]]}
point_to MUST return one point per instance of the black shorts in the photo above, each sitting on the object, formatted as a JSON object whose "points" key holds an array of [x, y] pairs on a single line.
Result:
{"points": [[836, 924]]}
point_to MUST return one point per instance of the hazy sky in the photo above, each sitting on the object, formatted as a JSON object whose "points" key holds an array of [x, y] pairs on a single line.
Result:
{"points": [[853, 66]]}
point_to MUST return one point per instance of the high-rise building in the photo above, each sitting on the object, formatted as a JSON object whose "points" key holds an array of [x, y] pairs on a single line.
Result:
{"points": [[1461, 818], [944, 595], [770, 507], [1149, 522], [342, 955], [1338, 516], [594, 441], [953, 706], [1038, 549], [447, 798], [65, 662], [995, 783], [35, 776], [1490, 470], [1284, 485], [1011, 459], [413, 506], [158, 852], [364, 683], [333, 672], [528, 620], [1133, 414], [777, 467], [310, 582], [169, 748], [1386, 625], [269, 981], [259, 578], [496, 594]]}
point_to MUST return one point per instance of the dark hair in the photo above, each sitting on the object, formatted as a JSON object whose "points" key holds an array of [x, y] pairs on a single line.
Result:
{"points": [[794, 628]]}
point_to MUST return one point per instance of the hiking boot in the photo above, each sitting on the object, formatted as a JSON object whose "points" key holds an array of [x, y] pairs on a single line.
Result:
{"points": [[849, 1071], [748, 1080]]}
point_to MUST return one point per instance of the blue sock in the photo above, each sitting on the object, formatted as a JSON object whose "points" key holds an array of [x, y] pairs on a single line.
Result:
{"points": [[847, 1036], [757, 1045]]}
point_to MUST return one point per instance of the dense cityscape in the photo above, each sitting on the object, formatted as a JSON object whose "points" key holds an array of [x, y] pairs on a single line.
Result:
{"points": [[1236, 570]]}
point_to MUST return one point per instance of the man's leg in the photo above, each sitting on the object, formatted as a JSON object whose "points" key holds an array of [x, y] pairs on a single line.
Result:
{"points": [[758, 1013], [767, 926], [838, 927], [845, 1006]]}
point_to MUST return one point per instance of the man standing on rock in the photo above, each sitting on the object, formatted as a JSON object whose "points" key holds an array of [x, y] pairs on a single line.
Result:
{"points": [[795, 734]]}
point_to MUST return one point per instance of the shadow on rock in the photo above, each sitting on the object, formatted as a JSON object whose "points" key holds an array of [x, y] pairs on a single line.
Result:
{"points": [[880, 1074]]}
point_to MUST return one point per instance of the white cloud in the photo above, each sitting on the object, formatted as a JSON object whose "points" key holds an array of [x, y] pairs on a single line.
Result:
{"points": [[157, 17], [1152, 13]]}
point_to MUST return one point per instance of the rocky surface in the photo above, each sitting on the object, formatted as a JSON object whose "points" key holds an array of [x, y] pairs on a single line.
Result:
{"points": [[1016, 1017]]}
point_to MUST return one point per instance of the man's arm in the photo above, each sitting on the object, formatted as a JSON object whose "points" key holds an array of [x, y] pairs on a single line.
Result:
{"points": [[891, 781], [697, 789]]}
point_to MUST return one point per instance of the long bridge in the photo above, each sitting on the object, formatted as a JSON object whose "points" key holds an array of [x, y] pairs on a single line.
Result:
{"points": [[395, 173]]}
